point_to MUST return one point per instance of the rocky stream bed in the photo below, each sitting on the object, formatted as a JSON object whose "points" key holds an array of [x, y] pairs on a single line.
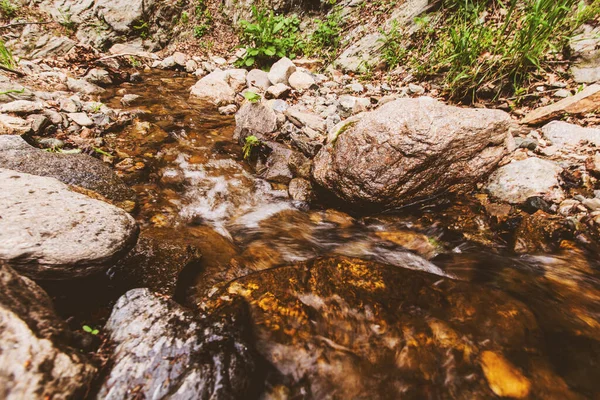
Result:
{"points": [[339, 261]]}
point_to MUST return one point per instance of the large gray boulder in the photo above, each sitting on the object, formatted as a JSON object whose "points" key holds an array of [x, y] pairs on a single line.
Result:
{"points": [[411, 150], [163, 351], [515, 182], [36, 361], [49, 232], [73, 169]]}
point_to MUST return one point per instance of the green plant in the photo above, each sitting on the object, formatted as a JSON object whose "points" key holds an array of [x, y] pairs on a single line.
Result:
{"points": [[185, 17], [249, 144], [142, 29], [326, 38], [96, 107], [66, 19], [204, 19], [252, 97], [88, 329], [6, 58], [494, 45], [104, 153], [7, 9], [393, 50], [9, 91], [201, 30], [134, 62], [270, 36]]}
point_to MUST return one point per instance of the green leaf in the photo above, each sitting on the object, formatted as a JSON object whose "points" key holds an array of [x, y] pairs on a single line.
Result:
{"points": [[252, 97], [95, 332], [270, 51], [249, 61], [278, 26], [87, 329]]}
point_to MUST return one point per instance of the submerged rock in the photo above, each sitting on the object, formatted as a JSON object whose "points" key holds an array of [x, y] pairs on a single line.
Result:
{"points": [[49, 232], [157, 260], [36, 361], [348, 328], [164, 351], [516, 182], [72, 169], [409, 150]]}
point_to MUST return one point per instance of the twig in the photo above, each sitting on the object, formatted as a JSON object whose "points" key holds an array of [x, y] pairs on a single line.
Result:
{"points": [[25, 23], [124, 55], [18, 73]]}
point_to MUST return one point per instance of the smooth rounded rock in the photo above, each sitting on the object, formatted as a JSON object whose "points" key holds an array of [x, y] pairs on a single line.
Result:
{"points": [[73, 169], [49, 232], [214, 89], [281, 71], [302, 81], [516, 182], [411, 150]]}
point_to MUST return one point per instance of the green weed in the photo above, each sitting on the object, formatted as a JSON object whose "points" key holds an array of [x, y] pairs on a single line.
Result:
{"points": [[252, 97], [66, 19], [489, 44], [6, 58], [7, 9], [142, 29], [88, 329], [393, 50], [184, 18], [269, 37], [325, 39], [204, 19], [250, 143]]}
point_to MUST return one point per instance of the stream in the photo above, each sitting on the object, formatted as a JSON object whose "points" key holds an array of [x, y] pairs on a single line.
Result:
{"points": [[358, 306]]}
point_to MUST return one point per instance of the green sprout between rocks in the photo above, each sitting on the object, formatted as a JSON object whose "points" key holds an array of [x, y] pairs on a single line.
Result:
{"points": [[89, 329], [250, 143]]}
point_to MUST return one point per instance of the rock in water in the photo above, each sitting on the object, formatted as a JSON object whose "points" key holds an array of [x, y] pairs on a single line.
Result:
{"points": [[164, 351], [411, 149], [49, 232], [353, 329], [72, 169], [35, 359], [157, 259]]}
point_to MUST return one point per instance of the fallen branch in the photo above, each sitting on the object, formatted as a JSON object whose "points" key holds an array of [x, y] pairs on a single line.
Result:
{"points": [[18, 73], [25, 23], [125, 55]]}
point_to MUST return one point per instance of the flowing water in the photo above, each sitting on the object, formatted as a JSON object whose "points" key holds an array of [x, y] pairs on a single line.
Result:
{"points": [[401, 304]]}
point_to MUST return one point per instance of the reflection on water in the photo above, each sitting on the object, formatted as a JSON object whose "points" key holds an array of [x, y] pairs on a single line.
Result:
{"points": [[455, 334]]}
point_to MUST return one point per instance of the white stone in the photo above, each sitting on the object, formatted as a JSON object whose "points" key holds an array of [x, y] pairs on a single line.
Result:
{"points": [[281, 71], [516, 182]]}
